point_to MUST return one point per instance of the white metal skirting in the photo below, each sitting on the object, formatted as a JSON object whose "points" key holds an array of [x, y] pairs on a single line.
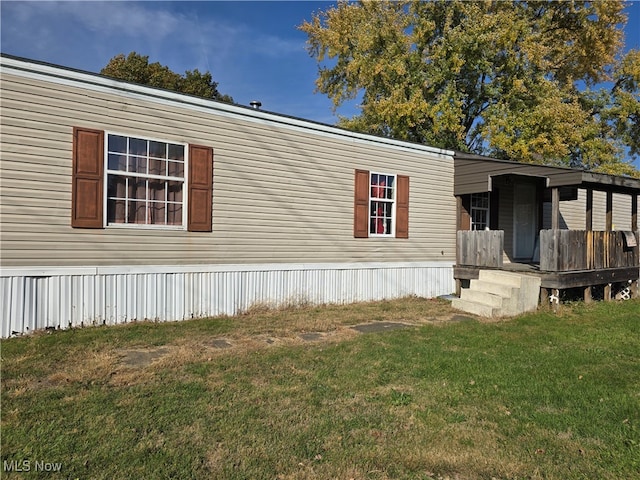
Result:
{"points": [[35, 299]]}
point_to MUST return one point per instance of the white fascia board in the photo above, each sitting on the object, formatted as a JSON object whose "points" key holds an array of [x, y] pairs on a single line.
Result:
{"points": [[103, 84], [262, 267]]}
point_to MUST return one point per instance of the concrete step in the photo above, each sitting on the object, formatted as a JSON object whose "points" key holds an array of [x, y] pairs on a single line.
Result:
{"points": [[485, 298], [505, 291], [475, 308], [497, 293], [498, 276]]}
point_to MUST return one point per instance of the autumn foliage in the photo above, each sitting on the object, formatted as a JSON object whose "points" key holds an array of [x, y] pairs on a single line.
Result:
{"points": [[537, 81]]}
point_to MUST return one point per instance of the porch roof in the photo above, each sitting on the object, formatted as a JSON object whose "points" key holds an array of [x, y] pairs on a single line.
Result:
{"points": [[473, 174]]}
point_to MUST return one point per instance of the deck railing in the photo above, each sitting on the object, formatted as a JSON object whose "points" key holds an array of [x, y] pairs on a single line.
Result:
{"points": [[560, 250], [480, 248], [570, 250]]}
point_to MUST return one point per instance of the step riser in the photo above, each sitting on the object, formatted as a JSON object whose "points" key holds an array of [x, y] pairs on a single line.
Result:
{"points": [[494, 288], [475, 308], [484, 298]]}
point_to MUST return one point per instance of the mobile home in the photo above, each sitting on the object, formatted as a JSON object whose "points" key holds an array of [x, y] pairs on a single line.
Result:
{"points": [[122, 202]]}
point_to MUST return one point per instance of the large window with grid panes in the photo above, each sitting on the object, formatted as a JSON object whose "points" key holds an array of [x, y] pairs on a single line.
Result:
{"points": [[145, 182], [129, 180]]}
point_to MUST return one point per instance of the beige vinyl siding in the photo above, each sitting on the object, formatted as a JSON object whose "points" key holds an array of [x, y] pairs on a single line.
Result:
{"points": [[573, 212], [279, 194], [472, 175]]}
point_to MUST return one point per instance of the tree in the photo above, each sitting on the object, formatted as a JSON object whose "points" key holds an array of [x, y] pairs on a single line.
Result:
{"points": [[511, 79], [136, 68]]}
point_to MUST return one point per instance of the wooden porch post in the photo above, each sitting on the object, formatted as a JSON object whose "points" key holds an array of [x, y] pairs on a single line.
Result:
{"points": [[634, 212], [540, 202], [607, 292], [587, 294], [555, 208], [544, 296], [609, 228], [588, 227], [462, 223], [635, 286], [589, 212], [458, 222]]}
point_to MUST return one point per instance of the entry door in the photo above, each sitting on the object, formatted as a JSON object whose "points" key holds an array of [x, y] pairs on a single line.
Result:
{"points": [[525, 221]]}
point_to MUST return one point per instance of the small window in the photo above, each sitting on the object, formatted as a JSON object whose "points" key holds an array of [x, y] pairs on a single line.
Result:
{"points": [[480, 211], [145, 182], [382, 201]]}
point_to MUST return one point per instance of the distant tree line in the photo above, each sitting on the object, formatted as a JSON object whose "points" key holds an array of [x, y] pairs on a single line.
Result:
{"points": [[136, 68]]}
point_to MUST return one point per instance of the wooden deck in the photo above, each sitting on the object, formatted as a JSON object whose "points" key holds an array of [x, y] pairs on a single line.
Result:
{"points": [[568, 259], [557, 280]]}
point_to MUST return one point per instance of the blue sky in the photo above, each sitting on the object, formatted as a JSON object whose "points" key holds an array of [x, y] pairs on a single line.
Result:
{"points": [[252, 49]]}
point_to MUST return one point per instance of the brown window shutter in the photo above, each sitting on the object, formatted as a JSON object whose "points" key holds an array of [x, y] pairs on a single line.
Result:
{"points": [[200, 189], [402, 207], [87, 178], [361, 205]]}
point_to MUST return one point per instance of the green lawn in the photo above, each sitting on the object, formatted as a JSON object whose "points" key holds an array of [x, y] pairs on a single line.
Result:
{"points": [[549, 396]]}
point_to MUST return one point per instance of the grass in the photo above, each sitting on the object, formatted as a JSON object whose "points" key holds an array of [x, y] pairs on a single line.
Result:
{"points": [[540, 396]]}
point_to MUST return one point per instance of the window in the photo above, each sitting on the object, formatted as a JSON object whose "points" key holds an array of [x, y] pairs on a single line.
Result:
{"points": [[142, 181], [480, 211], [381, 205], [145, 181]]}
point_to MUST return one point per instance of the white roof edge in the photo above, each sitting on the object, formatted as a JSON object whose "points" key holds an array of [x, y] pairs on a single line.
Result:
{"points": [[27, 67]]}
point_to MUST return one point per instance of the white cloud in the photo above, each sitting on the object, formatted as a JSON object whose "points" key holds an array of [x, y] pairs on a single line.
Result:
{"points": [[126, 18], [104, 18], [78, 30], [44, 25]]}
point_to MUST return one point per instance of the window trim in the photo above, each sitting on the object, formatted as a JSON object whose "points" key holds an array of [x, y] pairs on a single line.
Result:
{"points": [[185, 184], [473, 208], [393, 202], [362, 201]]}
